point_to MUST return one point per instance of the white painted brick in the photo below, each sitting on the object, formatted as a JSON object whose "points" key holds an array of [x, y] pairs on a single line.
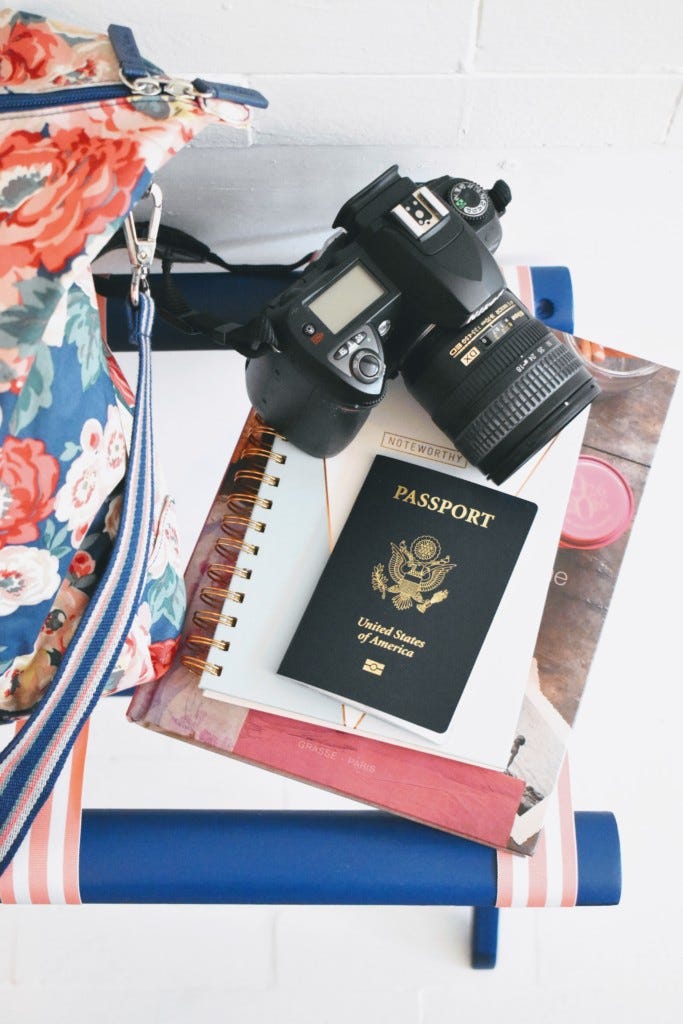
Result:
{"points": [[466, 994], [325, 36], [564, 966], [675, 134], [194, 482], [328, 37], [112, 1004], [370, 947], [361, 110], [480, 111], [278, 202], [202, 780], [303, 1004], [8, 923], [569, 111], [144, 948], [129, 766], [582, 36]]}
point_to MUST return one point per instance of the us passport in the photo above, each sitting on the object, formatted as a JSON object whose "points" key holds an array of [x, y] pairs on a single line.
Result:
{"points": [[408, 595]]}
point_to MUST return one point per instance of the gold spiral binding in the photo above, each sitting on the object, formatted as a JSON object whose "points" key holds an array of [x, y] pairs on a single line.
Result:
{"points": [[265, 453], [198, 665], [234, 499], [227, 546], [218, 571], [196, 640], [238, 519], [229, 523], [217, 596], [260, 431], [203, 618], [258, 476]]}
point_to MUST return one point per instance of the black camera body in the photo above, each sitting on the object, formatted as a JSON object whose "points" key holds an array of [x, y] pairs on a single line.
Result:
{"points": [[411, 286], [324, 368]]}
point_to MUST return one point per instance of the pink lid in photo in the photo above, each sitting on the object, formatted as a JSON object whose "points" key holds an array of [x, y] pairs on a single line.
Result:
{"points": [[600, 505]]}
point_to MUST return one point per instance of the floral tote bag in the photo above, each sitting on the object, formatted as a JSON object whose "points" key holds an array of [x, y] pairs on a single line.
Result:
{"points": [[85, 122]]}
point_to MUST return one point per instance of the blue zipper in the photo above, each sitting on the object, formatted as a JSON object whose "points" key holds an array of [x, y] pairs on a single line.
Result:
{"points": [[140, 78], [62, 97], [199, 89]]}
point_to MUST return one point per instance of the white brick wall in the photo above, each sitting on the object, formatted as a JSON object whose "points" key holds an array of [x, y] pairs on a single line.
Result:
{"points": [[578, 104], [475, 72]]}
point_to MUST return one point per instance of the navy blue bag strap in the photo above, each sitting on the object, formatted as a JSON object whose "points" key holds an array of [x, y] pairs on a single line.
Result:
{"points": [[31, 762]]}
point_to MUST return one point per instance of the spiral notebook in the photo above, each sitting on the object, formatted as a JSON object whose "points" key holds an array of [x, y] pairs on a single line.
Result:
{"points": [[278, 524], [503, 807]]}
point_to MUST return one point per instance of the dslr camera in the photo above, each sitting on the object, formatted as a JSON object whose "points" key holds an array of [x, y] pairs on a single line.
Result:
{"points": [[410, 286]]}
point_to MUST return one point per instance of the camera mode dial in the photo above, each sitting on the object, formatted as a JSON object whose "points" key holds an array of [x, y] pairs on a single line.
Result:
{"points": [[470, 200]]}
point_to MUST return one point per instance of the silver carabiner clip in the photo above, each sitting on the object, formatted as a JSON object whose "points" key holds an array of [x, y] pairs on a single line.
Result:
{"points": [[141, 250]]}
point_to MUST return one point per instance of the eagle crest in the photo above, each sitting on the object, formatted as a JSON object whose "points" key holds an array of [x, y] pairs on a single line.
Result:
{"points": [[416, 571]]}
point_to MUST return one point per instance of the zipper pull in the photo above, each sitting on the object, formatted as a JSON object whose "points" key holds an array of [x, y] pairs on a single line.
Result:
{"points": [[141, 250], [143, 79], [133, 64], [137, 73]]}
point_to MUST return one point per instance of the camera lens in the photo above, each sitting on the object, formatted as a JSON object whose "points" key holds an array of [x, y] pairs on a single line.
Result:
{"points": [[500, 387]]}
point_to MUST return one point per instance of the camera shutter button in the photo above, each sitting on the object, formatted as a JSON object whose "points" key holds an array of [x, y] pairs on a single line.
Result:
{"points": [[366, 366]]}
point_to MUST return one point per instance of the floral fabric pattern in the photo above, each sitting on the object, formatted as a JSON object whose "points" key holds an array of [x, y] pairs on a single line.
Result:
{"points": [[28, 477], [38, 54], [58, 190], [68, 177]]}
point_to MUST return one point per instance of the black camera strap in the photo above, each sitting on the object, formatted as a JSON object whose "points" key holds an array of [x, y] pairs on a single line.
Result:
{"points": [[176, 246]]}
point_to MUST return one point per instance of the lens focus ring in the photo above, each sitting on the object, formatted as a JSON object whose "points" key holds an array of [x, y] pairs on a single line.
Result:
{"points": [[497, 362], [510, 407]]}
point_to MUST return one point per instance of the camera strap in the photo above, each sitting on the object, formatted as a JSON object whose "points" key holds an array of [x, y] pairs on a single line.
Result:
{"points": [[176, 246]]}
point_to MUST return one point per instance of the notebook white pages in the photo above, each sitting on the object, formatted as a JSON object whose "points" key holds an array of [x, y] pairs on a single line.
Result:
{"points": [[309, 506]]}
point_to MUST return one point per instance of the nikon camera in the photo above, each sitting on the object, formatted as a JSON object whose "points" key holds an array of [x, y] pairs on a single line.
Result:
{"points": [[410, 285]]}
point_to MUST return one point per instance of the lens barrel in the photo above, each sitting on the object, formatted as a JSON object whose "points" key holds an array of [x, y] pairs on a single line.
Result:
{"points": [[501, 387]]}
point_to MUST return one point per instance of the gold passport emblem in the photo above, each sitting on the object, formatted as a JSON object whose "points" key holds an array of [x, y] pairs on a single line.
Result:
{"points": [[374, 667], [416, 571]]}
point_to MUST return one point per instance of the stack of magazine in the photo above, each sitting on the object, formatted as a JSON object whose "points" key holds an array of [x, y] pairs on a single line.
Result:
{"points": [[388, 626]]}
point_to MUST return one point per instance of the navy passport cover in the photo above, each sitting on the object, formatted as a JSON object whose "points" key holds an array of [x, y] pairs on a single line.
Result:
{"points": [[409, 592]]}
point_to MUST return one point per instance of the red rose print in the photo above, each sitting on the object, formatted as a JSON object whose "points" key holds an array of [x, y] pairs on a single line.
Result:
{"points": [[26, 51], [120, 382], [73, 185], [82, 564], [28, 478], [162, 653]]}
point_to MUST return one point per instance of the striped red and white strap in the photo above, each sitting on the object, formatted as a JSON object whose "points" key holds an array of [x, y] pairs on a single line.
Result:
{"points": [[45, 867], [548, 878]]}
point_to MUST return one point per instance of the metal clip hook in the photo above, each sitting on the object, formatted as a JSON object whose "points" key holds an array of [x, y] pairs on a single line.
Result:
{"points": [[141, 250]]}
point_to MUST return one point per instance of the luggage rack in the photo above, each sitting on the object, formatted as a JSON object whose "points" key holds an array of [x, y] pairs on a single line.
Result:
{"points": [[352, 857], [316, 858]]}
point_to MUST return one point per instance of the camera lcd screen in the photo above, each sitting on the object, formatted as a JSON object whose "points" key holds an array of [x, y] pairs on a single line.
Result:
{"points": [[352, 293]]}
